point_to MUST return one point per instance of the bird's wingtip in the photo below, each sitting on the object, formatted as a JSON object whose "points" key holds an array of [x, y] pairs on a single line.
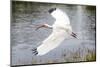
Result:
{"points": [[34, 51]]}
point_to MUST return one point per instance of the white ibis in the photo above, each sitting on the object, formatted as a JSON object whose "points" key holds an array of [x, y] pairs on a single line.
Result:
{"points": [[61, 30]]}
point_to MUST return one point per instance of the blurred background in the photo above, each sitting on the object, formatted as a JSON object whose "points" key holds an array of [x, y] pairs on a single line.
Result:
{"points": [[25, 15]]}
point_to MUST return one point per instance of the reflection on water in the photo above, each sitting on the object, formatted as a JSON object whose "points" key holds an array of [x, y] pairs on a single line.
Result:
{"points": [[24, 37]]}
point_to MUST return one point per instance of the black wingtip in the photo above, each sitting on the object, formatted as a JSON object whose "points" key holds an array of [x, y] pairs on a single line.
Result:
{"points": [[34, 51], [51, 10]]}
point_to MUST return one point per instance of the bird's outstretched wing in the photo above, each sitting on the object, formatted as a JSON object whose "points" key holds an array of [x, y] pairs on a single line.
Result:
{"points": [[50, 42], [46, 46], [61, 18]]}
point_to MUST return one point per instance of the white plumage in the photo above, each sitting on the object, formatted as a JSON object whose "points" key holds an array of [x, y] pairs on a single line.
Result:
{"points": [[61, 30]]}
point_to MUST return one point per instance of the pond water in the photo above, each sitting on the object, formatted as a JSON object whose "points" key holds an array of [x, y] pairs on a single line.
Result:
{"points": [[25, 15]]}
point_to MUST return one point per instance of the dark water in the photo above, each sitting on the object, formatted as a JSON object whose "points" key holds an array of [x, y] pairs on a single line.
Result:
{"points": [[25, 15]]}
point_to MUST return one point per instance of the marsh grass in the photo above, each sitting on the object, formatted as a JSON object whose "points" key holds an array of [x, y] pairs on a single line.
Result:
{"points": [[91, 56], [79, 55]]}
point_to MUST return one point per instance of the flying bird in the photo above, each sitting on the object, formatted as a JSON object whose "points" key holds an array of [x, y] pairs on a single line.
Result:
{"points": [[61, 30]]}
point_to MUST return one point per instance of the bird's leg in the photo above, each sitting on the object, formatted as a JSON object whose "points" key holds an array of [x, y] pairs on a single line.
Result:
{"points": [[44, 26]]}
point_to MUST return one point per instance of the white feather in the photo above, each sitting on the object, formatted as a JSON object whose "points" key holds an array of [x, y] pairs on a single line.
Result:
{"points": [[61, 30]]}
